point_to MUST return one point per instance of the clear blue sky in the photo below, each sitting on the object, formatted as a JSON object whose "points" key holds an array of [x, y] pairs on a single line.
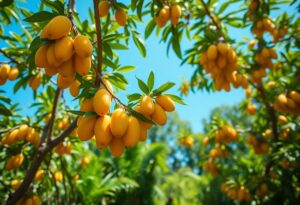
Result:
{"points": [[165, 69]]}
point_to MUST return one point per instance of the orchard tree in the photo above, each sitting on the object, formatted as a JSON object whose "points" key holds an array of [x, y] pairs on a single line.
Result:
{"points": [[56, 50]]}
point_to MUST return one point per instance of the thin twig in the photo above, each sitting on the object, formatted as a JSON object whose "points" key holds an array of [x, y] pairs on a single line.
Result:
{"points": [[71, 8], [8, 129], [9, 57]]}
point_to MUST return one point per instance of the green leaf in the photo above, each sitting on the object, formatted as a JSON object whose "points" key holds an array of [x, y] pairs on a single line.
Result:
{"points": [[139, 44], [4, 111], [40, 16], [134, 97], [57, 6], [176, 99], [144, 88], [163, 88], [141, 117], [176, 46], [118, 46], [126, 68], [150, 81], [149, 28], [76, 112]]}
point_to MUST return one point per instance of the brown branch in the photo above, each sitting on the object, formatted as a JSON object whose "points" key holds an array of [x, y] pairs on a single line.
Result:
{"points": [[8, 129], [9, 57], [99, 43], [210, 16], [71, 8], [36, 162]]}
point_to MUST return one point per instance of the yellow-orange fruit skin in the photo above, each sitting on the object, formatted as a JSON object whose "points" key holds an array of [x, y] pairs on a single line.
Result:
{"points": [[36, 200], [116, 147], [146, 106], [63, 48], [164, 13], [74, 88], [86, 128], [102, 132], [51, 59], [121, 17], [15, 183], [66, 69], [50, 71], [132, 134], [83, 46], [35, 82], [4, 71], [82, 65], [58, 27], [212, 52], [160, 22], [12, 137], [40, 58], [119, 122], [175, 11], [102, 102], [103, 8], [29, 201], [63, 82], [159, 115], [143, 132], [3, 81], [108, 85], [44, 33], [147, 125], [23, 132], [58, 176], [13, 74], [223, 48], [166, 103], [87, 105], [39, 174]]}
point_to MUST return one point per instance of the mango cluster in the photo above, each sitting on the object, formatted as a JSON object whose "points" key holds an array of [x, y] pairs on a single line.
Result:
{"points": [[251, 8], [239, 193], [14, 162], [260, 147], [258, 75], [22, 133], [220, 61], [239, 80], [33, 200], [211, 167], [62, 148], [279, 33], [218, 152], [187, 141], [226, 134], [265, 56], [289, 103], [8, 73], [264, 25], [65, 56], [167, 13], [120, 14], [35, 81]]}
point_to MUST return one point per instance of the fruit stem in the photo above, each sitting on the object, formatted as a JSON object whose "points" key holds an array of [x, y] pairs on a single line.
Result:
{"points": [[99, 43]]}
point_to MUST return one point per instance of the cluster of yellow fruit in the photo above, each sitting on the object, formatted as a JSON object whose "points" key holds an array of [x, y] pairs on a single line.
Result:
{"points": [[65, 56], [6, 72], [120, 14], [264, 58], [252, 7], [226, 134], [239, 80], [258, 75], [211, 167], [62, 148], [22, 133], [264, 25], [35, 81], [262, 190], [260, 147], [14, 162], [280, 33], [220, 61], [218, 152], [63, 123], [119, 129], [235, 192], [251, 109], [33, 200], [14, 184], [167, 13], [289, 103], [187, 141]]}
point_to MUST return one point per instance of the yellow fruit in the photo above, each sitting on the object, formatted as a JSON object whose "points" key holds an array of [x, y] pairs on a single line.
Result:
{"points": [[82, 65], [147, 125], [4, 71], [164, 13], [221, 61], [174, 20], [102, 102], [13, 74], [44, 33], [15, 183], [35, 81], [265, 53], [51, 59], [66, 69], [108, 85], [119, 122], [63, 48], [223, 48], [3, 81], [87, 105], [50, 71], [160, 22], [74, 88], [29, 201], [39, 174], [23, 131], [121, 17], [282, 99], [147, 106], [86, 128], [143, 132], [102, 132], [295, 96], [103, 8], [62, 82], [132, 134], [58, 176], [175, 11], [212, 52], [36, 200], [83, 46], [159, 115], [166, 103], [12, 137], [116, 147], [58, 27]]}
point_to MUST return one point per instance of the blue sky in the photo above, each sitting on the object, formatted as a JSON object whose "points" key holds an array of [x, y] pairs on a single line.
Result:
{"points": [[165, 69]]}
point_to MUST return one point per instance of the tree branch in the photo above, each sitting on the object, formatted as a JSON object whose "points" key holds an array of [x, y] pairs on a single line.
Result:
{"points": [[9, 57], [99, 42], [71, 8], [210, 16]]}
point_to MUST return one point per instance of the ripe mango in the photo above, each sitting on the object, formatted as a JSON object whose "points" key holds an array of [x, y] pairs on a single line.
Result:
{"points": [[159, 115], [23, 132], [102, 102], [119, 122], [4, 71], [35, 81], [164, 13], [103, 8], [143, 132], [133, 132], [74, 88], [82, 65], [67, 68], [44, 33], [36, 200], [63, 48], [86, 128], [102, 132], [175, 11], [87, 105], [121, 17], [58, 27], [223, 48], [147, 125], [51, 59], [58, 176], [166, 103], [13, 74], [83, 46], [116, 147], [146, 106], [12, 137], [62, 82], [39, 174], [160, 22], [212, 52], [50, 71]]}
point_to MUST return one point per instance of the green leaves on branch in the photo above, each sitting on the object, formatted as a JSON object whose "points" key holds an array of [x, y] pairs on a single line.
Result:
{"points": [[138, 41], [40, 17]]}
